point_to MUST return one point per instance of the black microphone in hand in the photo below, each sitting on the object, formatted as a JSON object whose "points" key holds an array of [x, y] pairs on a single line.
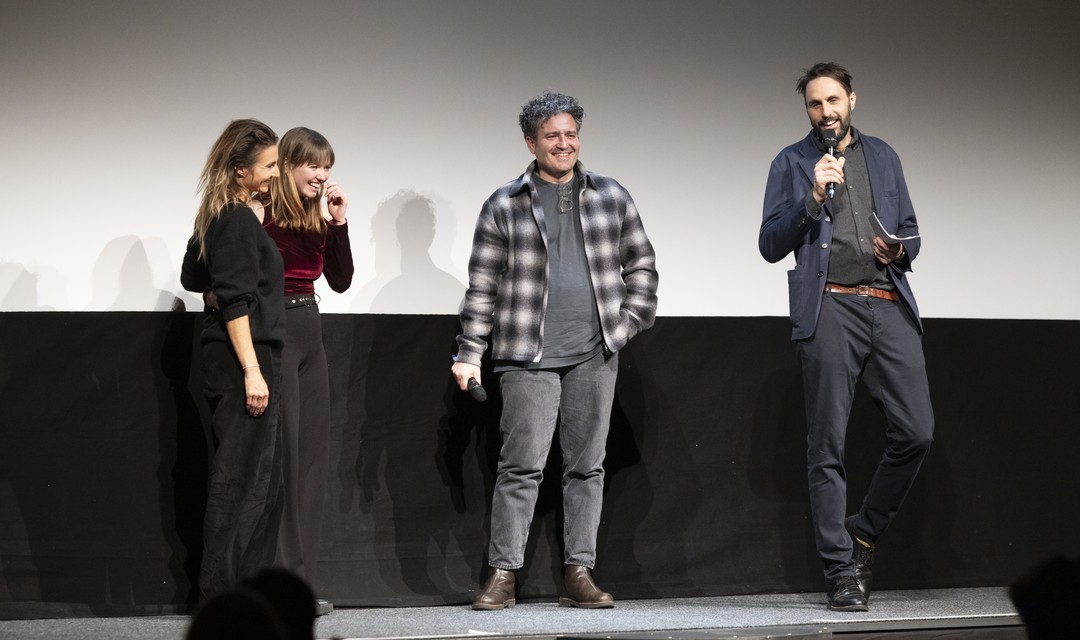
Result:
{"points": [[829, 138], [476, 391]]}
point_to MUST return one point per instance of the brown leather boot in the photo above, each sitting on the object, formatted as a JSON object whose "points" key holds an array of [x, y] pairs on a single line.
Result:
{"points": [[582, 592], [498, 591]]}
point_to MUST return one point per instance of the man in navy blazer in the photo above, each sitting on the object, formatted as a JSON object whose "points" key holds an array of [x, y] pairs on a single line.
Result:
{"points": [[852, 314]]}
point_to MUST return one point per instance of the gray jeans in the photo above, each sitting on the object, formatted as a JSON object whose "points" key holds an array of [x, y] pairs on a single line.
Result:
{"points": [[579, 399]]}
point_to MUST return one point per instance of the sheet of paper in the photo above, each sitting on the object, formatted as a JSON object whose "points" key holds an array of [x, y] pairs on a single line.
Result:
{"points": [[880, 232]]}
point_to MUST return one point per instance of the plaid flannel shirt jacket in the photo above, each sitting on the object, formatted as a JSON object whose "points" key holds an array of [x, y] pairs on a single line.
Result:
{"points": [[508, 269]]}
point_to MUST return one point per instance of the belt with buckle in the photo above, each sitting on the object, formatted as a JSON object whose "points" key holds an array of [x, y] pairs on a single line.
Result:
{"points": [[300, 301], [863, 290]]}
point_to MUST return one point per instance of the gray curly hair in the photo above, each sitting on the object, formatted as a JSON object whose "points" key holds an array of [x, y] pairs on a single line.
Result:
{"points": [[548, 104]]}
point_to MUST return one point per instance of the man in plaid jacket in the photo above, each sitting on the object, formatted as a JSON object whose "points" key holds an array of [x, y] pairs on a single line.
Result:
{"points": [[561, 277]]}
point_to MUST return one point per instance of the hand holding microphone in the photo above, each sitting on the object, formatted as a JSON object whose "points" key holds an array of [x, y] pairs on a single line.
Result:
{"points": [[476, 391], [828, 171], [468, 379], [830, 141]]}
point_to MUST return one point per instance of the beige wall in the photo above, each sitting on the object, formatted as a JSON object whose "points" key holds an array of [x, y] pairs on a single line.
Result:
{"points": [[107, 110]]}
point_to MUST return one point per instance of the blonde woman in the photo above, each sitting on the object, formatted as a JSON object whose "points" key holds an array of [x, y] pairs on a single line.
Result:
{"points": [[314, 241], [232, 261]]}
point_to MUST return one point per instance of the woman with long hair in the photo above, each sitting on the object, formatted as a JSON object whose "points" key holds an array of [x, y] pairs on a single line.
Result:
{"points": [[235, 265], [314, 241]]}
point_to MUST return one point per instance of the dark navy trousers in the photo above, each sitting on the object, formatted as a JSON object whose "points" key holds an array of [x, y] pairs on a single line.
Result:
{"points": [[877, 340]]}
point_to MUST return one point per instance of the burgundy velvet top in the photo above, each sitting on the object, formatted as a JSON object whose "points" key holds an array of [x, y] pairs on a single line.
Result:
{"points": [[308, 254]]}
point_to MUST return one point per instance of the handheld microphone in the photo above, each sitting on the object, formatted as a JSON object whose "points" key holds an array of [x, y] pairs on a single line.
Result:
{"points": [[476, 391], [829, 138]]}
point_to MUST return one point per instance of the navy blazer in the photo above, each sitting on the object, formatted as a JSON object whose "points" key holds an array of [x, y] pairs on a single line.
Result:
{"points": [[786, 227]]}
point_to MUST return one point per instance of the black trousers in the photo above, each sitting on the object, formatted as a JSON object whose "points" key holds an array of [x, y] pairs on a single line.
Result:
{"points": [[305, 436], [243, 508], [877, 340]]}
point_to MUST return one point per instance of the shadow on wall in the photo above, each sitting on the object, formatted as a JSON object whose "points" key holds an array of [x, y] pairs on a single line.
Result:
{"points": [[123, 278], [185, 443], [19, 289], [406, 278], [644, 433], [415, 462]]}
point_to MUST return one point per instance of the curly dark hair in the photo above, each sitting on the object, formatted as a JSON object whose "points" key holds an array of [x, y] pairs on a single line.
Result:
{"points": [[548, 104]]}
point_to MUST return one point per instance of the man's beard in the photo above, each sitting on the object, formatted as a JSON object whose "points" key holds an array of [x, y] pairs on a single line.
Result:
{"points": [[843, 126]]}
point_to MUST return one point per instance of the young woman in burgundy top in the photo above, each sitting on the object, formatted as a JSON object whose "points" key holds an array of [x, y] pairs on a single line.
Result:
{"points": [[232, 261], [313, 241]]}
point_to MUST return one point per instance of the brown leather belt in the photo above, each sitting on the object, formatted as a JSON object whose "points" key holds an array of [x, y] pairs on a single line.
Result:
{"points": [[863, 290]]}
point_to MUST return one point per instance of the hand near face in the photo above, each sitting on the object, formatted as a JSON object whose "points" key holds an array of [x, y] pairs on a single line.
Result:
{"points": [[336, 202]]}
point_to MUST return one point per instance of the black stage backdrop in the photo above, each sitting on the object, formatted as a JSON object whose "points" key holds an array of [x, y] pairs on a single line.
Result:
{"points": [[103, 458]]}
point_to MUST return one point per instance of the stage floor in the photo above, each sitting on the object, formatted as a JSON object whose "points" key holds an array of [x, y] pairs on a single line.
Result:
{"points": [[984, 612]]}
